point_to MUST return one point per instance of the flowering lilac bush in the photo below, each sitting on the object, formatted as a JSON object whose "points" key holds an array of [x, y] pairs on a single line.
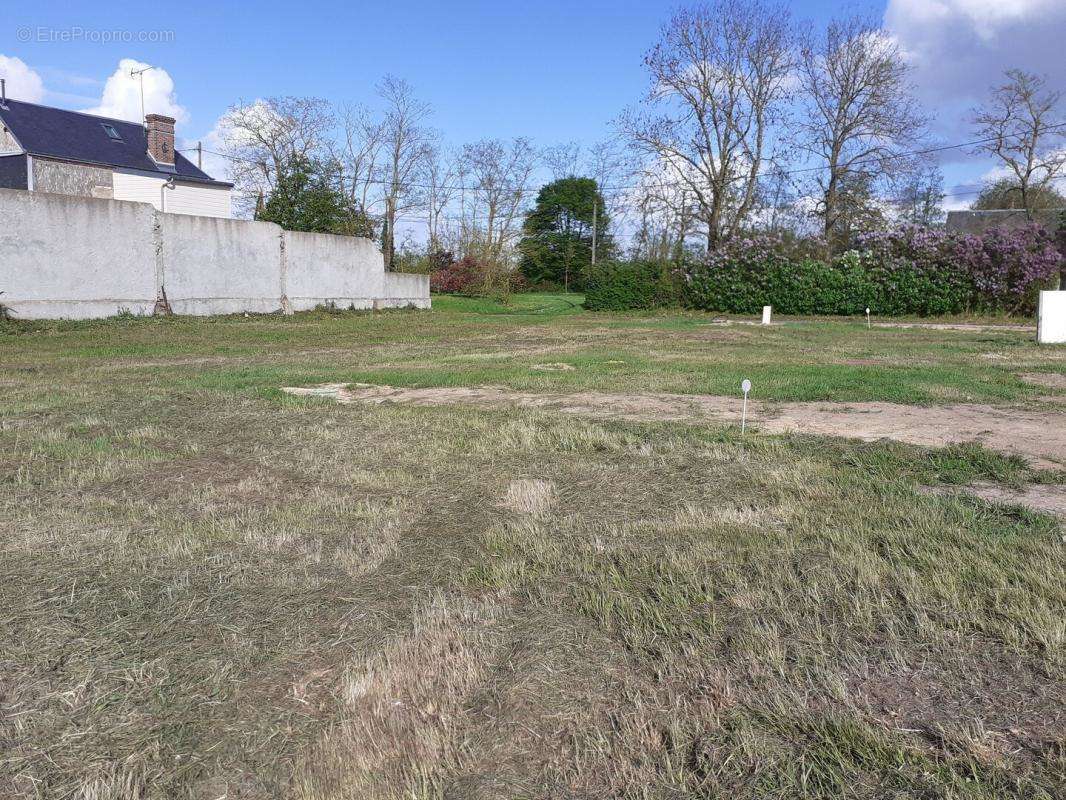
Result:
{"points": [[745, 274], [999, 270], [918, 270], [1013, 265], [909, 270]]}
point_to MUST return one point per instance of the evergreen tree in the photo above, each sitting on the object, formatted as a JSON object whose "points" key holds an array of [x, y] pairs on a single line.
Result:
{"points": [[556, 247], [307, 197]]}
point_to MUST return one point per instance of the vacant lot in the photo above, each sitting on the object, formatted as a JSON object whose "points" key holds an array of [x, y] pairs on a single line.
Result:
{"points": [[210, 588]]}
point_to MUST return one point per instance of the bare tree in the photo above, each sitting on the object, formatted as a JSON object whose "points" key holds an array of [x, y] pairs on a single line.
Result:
{"points": [[499, 175], [261, 137], [718, 83], [407, 141], [358, 152], [781, 208], [1020, 121], [610, 165], [918, 195], [562, 160], [441, 173], [859, 114], [665, 214]]}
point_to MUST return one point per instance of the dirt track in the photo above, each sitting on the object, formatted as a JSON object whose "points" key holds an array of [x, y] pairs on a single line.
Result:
{"points": [[1039, 436]]}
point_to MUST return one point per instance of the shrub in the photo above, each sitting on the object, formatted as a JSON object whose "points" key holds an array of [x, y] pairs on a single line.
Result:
{"points": [[625, 285], [1014, 265], [409, 259], [746, 274], [909, 270], [466, 276], [918, 271]]}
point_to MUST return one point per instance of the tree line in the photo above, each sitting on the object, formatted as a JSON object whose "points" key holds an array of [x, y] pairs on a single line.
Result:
{"points": [[750, 122]]}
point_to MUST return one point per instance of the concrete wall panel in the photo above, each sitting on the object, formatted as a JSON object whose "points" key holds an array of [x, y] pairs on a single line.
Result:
{"points": [[75, 258], [343, 270], [220, 266], [404, 289], [78, 257]]}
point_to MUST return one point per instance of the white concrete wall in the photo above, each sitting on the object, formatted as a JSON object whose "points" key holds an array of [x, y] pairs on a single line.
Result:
{"points": [[78, 257], [185, 198], [325, 269], [1051, 318], [72, 257], [220, 266], [405, 289]]}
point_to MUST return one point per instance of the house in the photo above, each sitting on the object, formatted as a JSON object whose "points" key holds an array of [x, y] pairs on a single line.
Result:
{"points": [[44, 149]]}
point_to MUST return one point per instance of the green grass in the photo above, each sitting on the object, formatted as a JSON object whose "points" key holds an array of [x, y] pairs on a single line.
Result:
{"points": [[469, 341], [209, 588]]}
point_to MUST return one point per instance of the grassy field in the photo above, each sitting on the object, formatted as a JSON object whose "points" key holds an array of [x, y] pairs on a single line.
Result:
{"points": [[212, 589]]}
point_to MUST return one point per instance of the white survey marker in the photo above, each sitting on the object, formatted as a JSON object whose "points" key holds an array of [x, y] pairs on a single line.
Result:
{"points": [[745, 386], [766, 311]]}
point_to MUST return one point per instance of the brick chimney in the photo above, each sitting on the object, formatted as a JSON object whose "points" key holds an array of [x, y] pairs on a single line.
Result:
{"points": [[160, 138]]}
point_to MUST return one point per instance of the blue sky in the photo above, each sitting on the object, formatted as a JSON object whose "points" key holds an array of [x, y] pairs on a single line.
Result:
{"points": [[555, 71]]}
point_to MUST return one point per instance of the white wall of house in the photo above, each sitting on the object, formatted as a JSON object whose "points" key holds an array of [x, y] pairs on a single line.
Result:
{"points": [[185, 198]]}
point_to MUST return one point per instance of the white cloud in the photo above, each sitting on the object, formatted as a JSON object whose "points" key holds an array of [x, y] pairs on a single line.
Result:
{"points": [[218, 167], [985, 17], [22, 82], [961, 48], [122, 94]]}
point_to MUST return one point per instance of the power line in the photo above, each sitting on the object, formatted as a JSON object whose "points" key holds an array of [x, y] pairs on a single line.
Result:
{"points": [[675, 183]]}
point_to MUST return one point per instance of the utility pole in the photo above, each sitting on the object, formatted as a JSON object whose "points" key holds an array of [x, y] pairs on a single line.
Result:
{"points": [[199, 155], [595, 205]]}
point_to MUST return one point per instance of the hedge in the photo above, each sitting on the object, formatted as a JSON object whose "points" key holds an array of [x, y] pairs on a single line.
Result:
{"points": [[909, 271], [629, 285]]}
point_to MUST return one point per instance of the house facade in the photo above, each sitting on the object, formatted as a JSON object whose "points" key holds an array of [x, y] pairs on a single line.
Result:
{"points": [[44, 149]]}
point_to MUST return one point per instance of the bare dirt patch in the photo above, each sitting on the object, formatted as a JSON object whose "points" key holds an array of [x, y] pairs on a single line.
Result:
{"points": [[1047, 499], [1039, 436], [1051, 380], [1012, 701], [554, 367], [956, 326]]}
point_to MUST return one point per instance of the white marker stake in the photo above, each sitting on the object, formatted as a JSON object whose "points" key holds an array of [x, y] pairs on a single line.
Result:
{"points": [[867, 318], [745, 386], [766, 311]]}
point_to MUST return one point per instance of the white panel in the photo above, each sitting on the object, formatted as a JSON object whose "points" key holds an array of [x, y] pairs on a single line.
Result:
{"points": [[1051, 318], [184, 198], [204, 201], [137, 188]]}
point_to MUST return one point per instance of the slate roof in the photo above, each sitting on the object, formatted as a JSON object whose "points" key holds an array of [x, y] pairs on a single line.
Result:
{"points": [[75, 136]]}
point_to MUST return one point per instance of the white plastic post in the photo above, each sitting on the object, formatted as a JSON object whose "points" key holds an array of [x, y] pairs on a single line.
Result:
{"points": [[745, 386], [867, 317], [766, 311]]}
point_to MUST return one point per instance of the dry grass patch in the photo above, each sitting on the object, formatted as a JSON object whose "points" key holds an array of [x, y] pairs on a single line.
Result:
{"points": [[529, 496], [208, 589], [403, 733]]}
